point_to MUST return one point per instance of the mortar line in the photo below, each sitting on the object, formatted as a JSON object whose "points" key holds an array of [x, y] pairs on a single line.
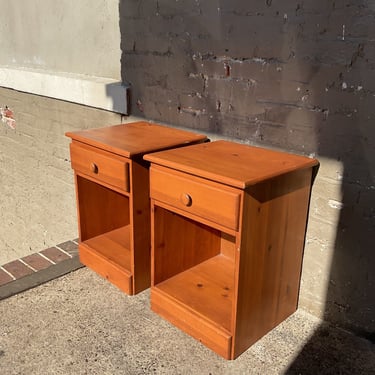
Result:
{"points": [[62, 250], [27, 265], [50, 260], [1, 267]]}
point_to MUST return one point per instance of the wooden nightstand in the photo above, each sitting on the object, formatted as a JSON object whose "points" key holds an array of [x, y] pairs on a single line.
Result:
{"points": [[112, 190], [228, 230]]}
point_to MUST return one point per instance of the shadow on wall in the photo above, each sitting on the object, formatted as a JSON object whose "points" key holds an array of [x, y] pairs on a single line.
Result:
{"points": [[342, 86], [297, 75]]}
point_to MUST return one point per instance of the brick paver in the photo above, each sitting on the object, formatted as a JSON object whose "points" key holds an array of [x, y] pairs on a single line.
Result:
{"points": [[55, 254], [18, 269], [4, 277], [35, 269], [37, 262], [70, 247]]}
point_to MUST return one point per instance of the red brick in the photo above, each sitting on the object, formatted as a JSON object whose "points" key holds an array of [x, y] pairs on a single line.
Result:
{"points": [[37, 262], [69, 247], [18, 269], [55, 254], [4, 277]]}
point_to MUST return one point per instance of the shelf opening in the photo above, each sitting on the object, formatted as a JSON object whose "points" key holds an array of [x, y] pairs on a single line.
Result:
{"points": [[114, 246], [101, 209], [194, 266], [104, 222]]}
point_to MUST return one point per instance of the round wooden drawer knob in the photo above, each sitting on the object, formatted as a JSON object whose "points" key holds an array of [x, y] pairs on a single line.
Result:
{"points": [[94, 168], [186, 199]]}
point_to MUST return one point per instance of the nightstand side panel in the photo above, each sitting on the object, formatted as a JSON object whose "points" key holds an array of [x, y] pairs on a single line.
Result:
{"points": [[270, 258]]}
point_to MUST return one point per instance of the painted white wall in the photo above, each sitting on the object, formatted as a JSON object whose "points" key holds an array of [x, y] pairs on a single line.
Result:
{"points": [[65, 49], [70, 36]]}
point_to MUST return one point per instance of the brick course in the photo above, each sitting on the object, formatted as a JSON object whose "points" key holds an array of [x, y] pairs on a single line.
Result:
{"points": [[35, 269]]}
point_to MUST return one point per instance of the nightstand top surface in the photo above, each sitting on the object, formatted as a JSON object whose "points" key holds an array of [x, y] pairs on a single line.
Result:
{"points": [[231, 163], [135, 138]]}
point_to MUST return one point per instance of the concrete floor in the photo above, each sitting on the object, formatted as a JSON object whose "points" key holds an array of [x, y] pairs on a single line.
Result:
{"points": [[81, 324]]}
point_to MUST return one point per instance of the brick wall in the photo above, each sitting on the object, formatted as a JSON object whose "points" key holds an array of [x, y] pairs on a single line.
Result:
{"points": [[250, 71], [296, 75], [37, 199]]}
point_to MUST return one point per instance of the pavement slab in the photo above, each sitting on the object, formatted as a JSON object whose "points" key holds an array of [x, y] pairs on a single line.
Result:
{"points": [[81, 324]]}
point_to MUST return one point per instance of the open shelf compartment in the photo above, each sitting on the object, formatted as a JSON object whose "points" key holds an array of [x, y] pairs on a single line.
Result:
{"points": [[105, 233], [194, 278], [113, 246]]}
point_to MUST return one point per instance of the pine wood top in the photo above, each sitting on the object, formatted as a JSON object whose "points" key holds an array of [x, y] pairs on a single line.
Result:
{"points": [[231, 163], [135, 138]]}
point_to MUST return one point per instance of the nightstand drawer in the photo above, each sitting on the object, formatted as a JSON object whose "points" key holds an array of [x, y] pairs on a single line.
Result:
{"points": [[216, 202], [100, 165]]}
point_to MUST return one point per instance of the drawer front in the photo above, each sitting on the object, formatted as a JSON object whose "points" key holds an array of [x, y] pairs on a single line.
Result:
{"points": [[207, 199], [100, 165]]}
